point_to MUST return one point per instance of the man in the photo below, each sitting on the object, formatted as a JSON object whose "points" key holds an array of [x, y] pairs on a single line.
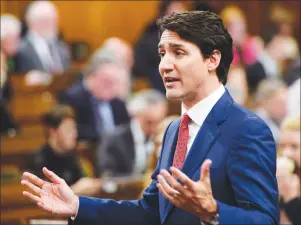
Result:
{"points": [[94, 100], [126, 150], [41, 49], [271, 103], [240, 187], [59, 154]]}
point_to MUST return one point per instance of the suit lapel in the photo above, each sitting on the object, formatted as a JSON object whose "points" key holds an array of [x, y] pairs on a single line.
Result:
{"points": [[37, 61], [167, 158], [203, 142]]}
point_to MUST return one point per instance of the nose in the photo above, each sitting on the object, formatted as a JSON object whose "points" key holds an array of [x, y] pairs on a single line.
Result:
{"points": [[165, 66]]}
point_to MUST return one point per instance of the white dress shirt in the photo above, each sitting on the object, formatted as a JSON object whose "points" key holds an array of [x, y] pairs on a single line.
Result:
{"points": [[199, 112]]}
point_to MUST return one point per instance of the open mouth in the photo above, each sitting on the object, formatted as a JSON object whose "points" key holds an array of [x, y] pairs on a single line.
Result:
{"points": [[170, 80]]}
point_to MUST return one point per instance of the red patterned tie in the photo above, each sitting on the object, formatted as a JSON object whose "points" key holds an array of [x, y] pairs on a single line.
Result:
{"points": [[181, 148]]}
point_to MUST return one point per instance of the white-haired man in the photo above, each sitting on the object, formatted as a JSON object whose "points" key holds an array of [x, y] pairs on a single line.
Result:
{"points": [[10, 34], [41, 48], [125, 151]]}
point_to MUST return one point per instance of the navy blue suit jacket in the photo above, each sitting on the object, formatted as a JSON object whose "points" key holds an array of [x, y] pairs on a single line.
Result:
{"points": [[243, 154]]}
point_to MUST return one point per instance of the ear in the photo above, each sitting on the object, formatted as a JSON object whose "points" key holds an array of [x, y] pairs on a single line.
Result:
{"points": [[214, 60]]}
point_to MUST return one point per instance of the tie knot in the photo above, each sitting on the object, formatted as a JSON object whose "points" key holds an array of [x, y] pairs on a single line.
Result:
{"points": [[185, 120]]}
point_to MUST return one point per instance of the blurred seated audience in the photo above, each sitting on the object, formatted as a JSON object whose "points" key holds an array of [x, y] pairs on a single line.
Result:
{"points": [[237, 84], [158, 140], [271, 61], [271, 100], [245, 47], [94, 99], [293, 100], [126, 150], [8, 125], [124, 52], [288, 171], [10, 39], [42, 49], [146, 59], [59, 152]]}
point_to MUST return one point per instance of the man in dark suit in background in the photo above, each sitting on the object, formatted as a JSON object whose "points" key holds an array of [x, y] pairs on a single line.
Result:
{"points": [[125, 151], [218, 160], [94, 100], [41, 49]]}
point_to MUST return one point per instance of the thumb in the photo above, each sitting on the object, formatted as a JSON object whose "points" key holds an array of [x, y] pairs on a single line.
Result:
{"points": [[52, 176], [205, 170]]}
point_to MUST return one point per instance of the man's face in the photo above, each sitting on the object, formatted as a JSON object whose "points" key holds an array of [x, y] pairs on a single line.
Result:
{"points": [[182, 67], [105, 81], [10, 44], [47, 26], [289, 145], [66, 135], [151, 119]]}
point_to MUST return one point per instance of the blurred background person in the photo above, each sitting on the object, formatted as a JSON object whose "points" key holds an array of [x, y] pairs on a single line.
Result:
{"points": [[7, 123], [59, 151], [146, 59], [245, 47], [270, 62], [41, 49], [10, 38], [126, 150], [288, 171], [124, 52], [94, 99], [271, 104], [237, 85]]}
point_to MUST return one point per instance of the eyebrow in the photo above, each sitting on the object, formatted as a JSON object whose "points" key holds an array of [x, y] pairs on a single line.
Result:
{"points": [[172, 45]]}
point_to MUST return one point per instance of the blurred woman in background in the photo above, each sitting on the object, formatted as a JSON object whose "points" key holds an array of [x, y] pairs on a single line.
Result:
{"points": [[246, 47]]}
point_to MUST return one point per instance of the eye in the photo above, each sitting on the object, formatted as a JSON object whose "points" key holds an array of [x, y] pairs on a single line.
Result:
{"points": [[179, 53], [161, 54]]}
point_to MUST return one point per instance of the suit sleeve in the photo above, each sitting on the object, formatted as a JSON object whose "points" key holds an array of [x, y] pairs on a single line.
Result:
{"points": [[252, 173]]}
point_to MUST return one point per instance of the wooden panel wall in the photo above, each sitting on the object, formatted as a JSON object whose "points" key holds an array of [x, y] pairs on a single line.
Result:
{"points": [[94, 21]]}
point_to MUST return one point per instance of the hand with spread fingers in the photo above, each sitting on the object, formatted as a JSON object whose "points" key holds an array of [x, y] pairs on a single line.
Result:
{"points": [[193, 197], [56, 197]]}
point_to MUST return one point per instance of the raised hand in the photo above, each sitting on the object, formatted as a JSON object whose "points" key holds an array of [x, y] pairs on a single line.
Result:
{"points": [[193, 197], [55, 197]]}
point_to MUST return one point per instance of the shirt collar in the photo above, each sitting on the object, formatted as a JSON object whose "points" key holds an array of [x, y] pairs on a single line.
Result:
{"points": [[199, 111]]}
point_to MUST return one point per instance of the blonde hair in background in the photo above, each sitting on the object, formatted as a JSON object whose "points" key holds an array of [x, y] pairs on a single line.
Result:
{"points": [[291, 123], [231, 13]]}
